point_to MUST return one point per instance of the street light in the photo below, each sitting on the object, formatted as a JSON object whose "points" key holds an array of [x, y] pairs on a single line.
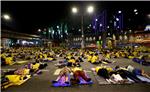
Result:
{"points": [[96, 19], [119, 11], [90, 10], [148, 15], [136, 13], [135, 10], [74, 10], [39, 30], [6, 17], [117, 19]]}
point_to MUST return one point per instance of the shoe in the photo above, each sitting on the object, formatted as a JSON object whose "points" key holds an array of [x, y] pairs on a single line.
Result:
{"points": [[78, 81], [89, 79], [67, 82], [24, 78], [54, 81]]}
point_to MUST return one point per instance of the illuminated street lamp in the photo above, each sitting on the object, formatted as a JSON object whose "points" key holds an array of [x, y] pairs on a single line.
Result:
{"points": [[6, 17], [136, 13], [74, 10], [119, 11], [117, 19], [148, 15], [90, 10], [135, 10], [39, 30]]}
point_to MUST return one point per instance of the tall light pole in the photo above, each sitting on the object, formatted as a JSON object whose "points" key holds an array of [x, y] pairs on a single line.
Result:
{"points": [[90, 9]]}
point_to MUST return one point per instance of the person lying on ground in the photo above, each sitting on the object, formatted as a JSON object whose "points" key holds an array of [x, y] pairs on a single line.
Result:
{"points": [[124, 73], [104, 71], [79, 72], [137, 71], [64, 72]]}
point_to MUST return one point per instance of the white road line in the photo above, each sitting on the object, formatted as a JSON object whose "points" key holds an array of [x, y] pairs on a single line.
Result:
{"points": [[45, 70], [57, 71], [7, 69]]}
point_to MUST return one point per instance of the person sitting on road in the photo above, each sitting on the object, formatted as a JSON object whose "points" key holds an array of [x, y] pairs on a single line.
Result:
{"points": [[71, 61], [95, 59], [89, 57]]}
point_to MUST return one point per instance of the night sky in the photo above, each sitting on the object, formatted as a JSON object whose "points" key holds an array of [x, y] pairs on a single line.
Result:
{"points": [[28, 16]]}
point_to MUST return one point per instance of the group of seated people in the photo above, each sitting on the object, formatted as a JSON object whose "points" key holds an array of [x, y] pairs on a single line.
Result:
{"points": [[96, 58], [12, 55], [7, 59], [70, 59]]}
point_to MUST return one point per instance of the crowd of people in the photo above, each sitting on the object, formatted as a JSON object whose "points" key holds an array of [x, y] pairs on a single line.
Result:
{"points": [[71, 63]]}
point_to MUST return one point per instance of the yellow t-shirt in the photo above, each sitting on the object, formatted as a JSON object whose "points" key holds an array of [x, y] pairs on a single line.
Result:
{"points": [[9, 60], [44, 55], [36, 66], [13, 78], [135, 53], [109, 69], [26, 71], [50, 58], [108, 56], [89, 58], [72, 60], [117, 54], [97, 68], [40, 56], [69, 56], [94, 59], [77, 69]]}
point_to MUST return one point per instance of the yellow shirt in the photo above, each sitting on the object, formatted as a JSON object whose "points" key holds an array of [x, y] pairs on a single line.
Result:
{"points": [[69, 56], [135, 54], [41, 56], [109, 69], [76, 69], [72, 60], [97, 68], [50, 58], [45, 56], [36, 66], [89, 58], [94, 59], [13, 78], [108, 56], [26, 71], [9, 60], [117, 54]]}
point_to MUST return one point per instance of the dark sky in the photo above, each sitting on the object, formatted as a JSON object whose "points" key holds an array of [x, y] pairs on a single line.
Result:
{"points": [[28, 16]]}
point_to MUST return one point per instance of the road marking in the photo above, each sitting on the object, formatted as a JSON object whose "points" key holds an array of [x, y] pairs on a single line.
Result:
{"points": [[44, 70], [87, 71], [7, 69], [57, 71]]}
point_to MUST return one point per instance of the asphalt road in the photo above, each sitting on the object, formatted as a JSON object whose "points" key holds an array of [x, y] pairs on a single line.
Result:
{"points": [[42, 83]]}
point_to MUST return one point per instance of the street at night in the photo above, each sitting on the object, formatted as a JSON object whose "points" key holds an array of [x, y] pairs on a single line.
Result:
{"points": [[75, 46]]}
